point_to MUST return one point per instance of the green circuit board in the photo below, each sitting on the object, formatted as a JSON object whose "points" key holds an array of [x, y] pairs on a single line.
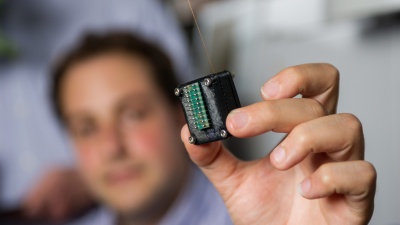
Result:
{"points": [[197, 109]]}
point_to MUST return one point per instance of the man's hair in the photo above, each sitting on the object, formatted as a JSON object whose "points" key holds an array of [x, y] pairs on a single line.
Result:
{"points": [[97, 44]]}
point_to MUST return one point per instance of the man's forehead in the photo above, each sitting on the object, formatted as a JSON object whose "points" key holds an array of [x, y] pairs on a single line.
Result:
{"points": [[132, 99]]}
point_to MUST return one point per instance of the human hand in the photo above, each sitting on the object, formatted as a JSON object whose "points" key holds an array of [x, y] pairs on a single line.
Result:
{"points": [[316, 175], [59, 195]]}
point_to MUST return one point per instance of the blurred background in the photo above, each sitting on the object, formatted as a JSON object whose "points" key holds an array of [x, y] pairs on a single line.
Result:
{"points": [[253, 38]]}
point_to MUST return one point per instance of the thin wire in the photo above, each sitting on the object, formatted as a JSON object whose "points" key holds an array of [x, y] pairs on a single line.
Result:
{"points": [[201, 36]]}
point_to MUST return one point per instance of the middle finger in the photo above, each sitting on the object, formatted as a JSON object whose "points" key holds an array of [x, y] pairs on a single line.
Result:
{"points": [[340, 136]]}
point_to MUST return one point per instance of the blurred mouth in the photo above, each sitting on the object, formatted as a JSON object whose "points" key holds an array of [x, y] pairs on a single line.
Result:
{"points": [[123, 176]]}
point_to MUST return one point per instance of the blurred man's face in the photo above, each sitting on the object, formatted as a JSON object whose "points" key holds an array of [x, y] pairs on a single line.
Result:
{"points": [[125, 132]]}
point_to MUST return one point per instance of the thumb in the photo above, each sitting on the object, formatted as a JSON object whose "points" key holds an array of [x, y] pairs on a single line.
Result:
{"points": [[216, 162]]}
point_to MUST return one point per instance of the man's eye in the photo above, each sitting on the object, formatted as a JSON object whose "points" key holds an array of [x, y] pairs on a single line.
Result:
{"points": [[135, 115], [85, 131]]}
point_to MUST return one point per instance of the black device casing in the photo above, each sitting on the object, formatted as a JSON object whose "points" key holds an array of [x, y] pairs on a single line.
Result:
{"points": [[220, 98]]}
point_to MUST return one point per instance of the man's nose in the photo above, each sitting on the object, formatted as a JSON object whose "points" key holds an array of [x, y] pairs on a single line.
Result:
{"points": [[111, 142]]}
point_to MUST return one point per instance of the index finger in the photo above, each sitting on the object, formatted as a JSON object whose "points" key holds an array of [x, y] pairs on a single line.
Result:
{"points": [[319, 81]]}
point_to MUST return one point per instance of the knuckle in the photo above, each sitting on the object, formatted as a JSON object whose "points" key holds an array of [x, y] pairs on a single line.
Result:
{"points": [[351, 121], [292, 70], [296, 74], [269, 111], [325, 174], [369, 172], [266, 107], [302, 136], [315, 108], [352, 127], [333, 72]]}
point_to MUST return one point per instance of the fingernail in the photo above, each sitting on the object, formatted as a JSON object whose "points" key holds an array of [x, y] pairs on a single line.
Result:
{"points": [[279, 154], [239, 119], [270, 89], [304, 187]]}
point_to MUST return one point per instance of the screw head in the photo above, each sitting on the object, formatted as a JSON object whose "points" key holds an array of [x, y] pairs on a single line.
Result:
{"points": [[177, 91], [223, 133], [207, 82], [192, 140], [233, 74]]}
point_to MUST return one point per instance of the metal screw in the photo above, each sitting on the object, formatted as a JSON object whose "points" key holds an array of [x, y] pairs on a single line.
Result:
{"points": [[192, 140], [233, 74], [177, 91], [223, 133], [207, 82]]}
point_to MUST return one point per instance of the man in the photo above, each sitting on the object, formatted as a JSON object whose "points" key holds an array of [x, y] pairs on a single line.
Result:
{"points": [[113, 93], [36, 163]]}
